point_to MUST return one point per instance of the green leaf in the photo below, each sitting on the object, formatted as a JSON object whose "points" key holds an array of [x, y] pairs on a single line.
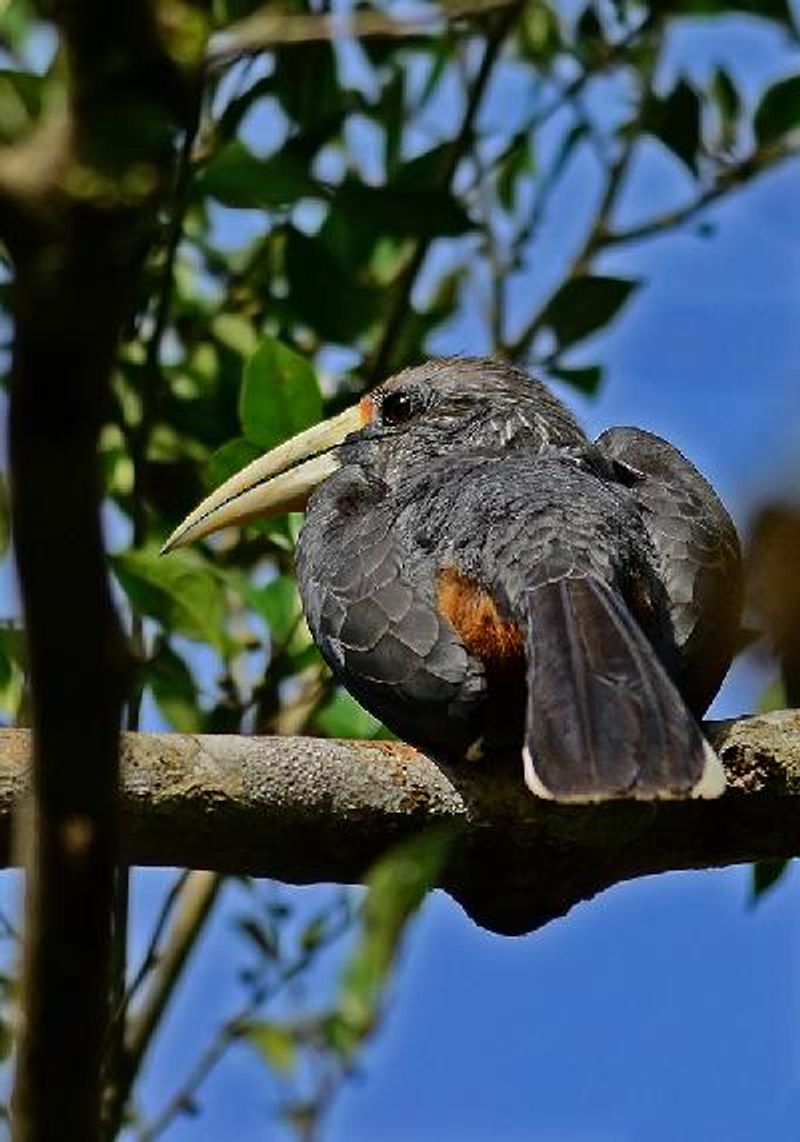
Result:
{"points": [[276, 1044], [280, 395], [403, 211], [425, 171], [766, 874], [6, 1039], [675, 120], [278, 603], [584, 305], [178, 590], [517, 162], [778, 113], [173, 689], [324, 292], [342, 717], [539, 31], [237, 178], [21, 96], [728, 104], [777, 10], [586, 379], [396, 887], [230, 459], [773, 698]]}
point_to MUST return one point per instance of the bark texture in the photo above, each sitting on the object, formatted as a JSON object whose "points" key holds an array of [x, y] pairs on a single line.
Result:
{"points": [[305, 810]]}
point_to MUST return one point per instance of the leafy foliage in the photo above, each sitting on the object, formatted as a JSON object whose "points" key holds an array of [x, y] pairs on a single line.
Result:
{"points": [[336, 213]]}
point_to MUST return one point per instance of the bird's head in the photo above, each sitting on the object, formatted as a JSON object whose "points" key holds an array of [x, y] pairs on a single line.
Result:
{"points": [[450, 406]]}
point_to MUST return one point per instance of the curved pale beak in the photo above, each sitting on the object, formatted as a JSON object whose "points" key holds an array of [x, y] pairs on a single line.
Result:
{"points": [[279, 482]]}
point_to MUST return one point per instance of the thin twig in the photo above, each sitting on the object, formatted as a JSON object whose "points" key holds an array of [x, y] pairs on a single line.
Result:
{"points": [[730, 179], [234, 1028], [403, 288], [151, 954], [198, 894], [592, 242], [267, 29]]}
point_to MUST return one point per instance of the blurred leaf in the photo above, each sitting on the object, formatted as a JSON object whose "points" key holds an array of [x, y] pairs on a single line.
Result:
{"points": [[396, 887], [585, 304], [342, 717], [773, 698], [586, 379], [230, 459], [675, 120], [778, 113], [425, 171], [177, 590], [517, 162], [6, 1039], [776, 10], [173, 689], [236, 177], [539, 31], [307, 84], [276, 1044], [20, 103], [403, 211], [280, 395], [263, 936], [324, 293], [279, 604], [728, 104], [766, 874]]}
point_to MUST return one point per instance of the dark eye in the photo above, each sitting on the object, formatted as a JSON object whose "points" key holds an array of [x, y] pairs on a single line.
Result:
{"points": [[397, 408]]}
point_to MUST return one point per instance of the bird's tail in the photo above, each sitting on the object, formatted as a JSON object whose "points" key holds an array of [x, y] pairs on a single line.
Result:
{"points": [[604, 719]]}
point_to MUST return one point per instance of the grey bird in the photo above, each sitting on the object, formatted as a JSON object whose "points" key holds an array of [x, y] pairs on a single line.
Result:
{"points": [[489, 582]]}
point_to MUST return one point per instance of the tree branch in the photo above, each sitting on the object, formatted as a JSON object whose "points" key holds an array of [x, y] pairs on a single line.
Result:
{"points": [[306, 810], [267, 28]]}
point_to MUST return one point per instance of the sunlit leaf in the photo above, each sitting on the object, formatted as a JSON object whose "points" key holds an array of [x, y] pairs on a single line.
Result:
{"points": [[229, 459], [276, 1044], [176, 589], [342, 717], [280, 395], [396, 887], [236, 177]]}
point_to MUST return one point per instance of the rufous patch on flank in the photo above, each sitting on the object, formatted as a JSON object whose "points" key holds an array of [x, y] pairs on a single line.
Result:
{"points": [[367, 408], [473, 613]]}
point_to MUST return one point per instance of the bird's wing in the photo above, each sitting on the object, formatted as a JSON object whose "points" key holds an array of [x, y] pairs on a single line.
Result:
{"points": [[698, 551], [374, 618]]}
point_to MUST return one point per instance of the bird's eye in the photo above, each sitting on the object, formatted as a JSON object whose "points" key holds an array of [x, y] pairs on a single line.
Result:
{"points": [[397, 408]]}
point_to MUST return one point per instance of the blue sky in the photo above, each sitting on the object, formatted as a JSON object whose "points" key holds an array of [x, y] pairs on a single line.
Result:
{"points": [[666, 1010]]}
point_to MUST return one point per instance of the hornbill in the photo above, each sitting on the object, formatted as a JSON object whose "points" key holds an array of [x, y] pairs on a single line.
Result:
{"points": [[488, 581]]}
